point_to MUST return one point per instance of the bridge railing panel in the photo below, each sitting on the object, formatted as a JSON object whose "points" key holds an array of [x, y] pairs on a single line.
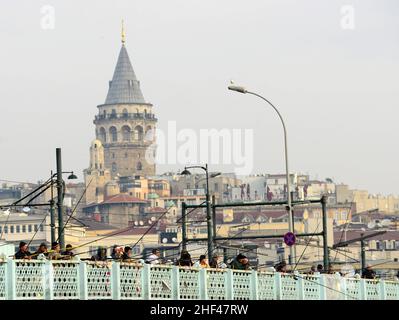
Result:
{"points": [[353, 289], [161, 282], [266, 286], [65, 280], [289, 287], [391, 290], [241, 285], [311, 287], [130, 281], [216, 284], [3, 281], [373, 289], [29, 279], [98, 280], [189, 283]]}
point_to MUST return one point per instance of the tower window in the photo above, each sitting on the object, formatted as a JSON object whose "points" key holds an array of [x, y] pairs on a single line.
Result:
{"points": [[113, 134], [139, 166], [126, 133], [114, 168]]}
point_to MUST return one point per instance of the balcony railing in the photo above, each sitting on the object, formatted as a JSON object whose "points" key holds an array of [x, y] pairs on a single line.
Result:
{"points": [[134, 116], [64, 280]]}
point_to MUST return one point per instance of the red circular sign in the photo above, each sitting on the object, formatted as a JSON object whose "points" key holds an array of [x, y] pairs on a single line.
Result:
{"points": [[289, 239]]}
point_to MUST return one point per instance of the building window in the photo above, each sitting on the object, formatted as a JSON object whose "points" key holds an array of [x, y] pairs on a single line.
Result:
{"points": [[35, 227], [216, 187], [114, 168], [23, 228], [30, 228], [126, 133], [6, 229], [18, 229], [41, 228], [139, 166], [113, 134], [102, 135]]}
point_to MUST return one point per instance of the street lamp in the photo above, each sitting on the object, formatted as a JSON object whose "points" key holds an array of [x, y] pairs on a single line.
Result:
{"points": [[209, 222], [241, 89]]}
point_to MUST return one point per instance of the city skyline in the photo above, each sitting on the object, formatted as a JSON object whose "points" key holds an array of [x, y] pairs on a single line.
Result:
{"points": [[59, 81]]}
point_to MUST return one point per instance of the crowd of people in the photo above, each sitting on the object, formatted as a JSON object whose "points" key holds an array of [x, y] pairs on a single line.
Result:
{"points": [[125, 254], [42, 252]]}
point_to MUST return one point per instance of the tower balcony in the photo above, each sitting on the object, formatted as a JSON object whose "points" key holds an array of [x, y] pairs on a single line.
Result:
{"points": [[90, 280], [125, 116]]}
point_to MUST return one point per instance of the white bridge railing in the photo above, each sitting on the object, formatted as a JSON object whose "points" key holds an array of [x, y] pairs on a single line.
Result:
{"points": [[54, 280]]}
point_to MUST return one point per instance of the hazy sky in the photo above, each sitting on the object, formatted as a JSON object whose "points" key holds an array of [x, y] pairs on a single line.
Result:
{"points": [[337, 88]]}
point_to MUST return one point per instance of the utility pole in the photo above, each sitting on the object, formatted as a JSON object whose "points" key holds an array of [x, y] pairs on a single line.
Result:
{"points": [[52, 217], [326, 260], [362, 253], [60, 199]]}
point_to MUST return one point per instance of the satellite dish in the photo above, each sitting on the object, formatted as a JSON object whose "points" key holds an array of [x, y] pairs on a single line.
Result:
{"points": [[26, 209], [164, 240], [371, 225], [174, 239], [141, 223], [153, 219], [386, 222], [149, 221], [136, 223], [266, 244]]}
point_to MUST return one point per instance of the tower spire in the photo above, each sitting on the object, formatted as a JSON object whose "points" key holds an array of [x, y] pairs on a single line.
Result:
{"points": [[123, 33]]}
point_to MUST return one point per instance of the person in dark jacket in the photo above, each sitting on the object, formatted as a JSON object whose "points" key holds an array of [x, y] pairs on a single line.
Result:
{"points": [[23, 252], [368, 273], [68, 253], [281, 267], [127, 254], [240, 262], [185, 259]]}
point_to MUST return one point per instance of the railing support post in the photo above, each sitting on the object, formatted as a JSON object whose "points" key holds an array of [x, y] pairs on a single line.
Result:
{"points": [[116, 280], [11, 280], [300, 286], [229, 285], [277, 290], [323, 287], [146, 281], [175, 283], [363, 289], [254, 285], [82, 279], [383, 290], [48, 280], [203, 284], [344, 293]]}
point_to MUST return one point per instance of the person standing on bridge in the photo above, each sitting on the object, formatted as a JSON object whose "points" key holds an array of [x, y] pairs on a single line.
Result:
{"points": [[153, 258], [241, 262], [23, 252], [202, 262], [185, 259]]}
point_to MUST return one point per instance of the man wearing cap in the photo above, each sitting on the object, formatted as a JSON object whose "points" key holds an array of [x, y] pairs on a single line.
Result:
{"points": [[23, 252], [241, 262]]}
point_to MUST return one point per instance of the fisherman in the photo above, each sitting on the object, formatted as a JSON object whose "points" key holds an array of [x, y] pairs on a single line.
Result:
{"points": [[23, 252], [240, 262], [55, 253], [127, 254], [42, 250], [153, 258]]}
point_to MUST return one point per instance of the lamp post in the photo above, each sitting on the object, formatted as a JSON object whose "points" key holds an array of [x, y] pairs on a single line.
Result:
{"points": [[241, 89], [60, 197], [208, 206]]}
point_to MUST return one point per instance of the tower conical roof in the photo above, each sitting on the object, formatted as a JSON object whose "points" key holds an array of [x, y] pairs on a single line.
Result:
{"points": [[124, 87]]}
